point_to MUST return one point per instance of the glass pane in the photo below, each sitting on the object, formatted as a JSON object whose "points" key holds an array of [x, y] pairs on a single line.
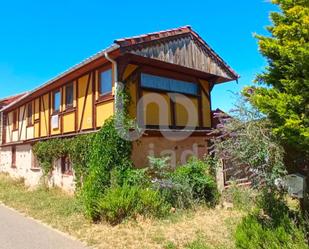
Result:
{"points": [[106, 82], [168, 84], [69, 95], [57, 101]]}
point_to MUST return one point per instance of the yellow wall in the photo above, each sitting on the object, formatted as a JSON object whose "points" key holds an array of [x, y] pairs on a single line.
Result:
{"points": [[104, 111], [182, 116], [85, 120], [36, 108], [36, 129], [205, 85], [44, 121], [133, 101], [206, 104], [152, 110], [42, 109], [206, 111], [69, 122]]}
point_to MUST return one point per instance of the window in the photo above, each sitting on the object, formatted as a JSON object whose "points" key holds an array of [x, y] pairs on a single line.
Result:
{"points": [[13, 157], [29, 114], [69, 96], [66, 165], [15, 120], [56, 101], [105, 84], [168, 84]]}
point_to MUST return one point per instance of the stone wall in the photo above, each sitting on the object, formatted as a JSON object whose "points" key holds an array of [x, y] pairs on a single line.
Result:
{"points": [[26, 169], [178, 151], [23, 168]]}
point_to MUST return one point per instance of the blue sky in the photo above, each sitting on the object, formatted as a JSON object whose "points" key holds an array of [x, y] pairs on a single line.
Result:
{"points": [[39, 39]]}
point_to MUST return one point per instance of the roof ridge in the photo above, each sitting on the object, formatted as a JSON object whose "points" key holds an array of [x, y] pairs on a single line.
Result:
{"points": [[127, 41], [154, 33]]}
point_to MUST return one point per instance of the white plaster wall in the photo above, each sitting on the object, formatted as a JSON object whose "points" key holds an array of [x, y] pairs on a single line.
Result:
{"points": [[23, 167], [5, 159], [30, 132], [9, 128], [14, 136], [63, 181]]}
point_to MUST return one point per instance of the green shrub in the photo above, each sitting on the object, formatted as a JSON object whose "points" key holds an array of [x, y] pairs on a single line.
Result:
{"points": [[109, 154], [256, 232], [159, 167], [137, 177], [273, 205], [179, 195], [243, 198], [126, 201], [196, 181]]}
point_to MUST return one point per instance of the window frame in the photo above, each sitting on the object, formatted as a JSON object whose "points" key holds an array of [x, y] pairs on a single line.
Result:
{"points": [[66, 170], [34, 162], [53, 104], [71, 105], [107, 94], [173, 79], [173, 76], [30, 119]]}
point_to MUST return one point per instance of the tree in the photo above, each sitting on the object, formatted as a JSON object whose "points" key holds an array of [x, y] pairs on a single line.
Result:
{"points": [[282, 90], [247, 143]]}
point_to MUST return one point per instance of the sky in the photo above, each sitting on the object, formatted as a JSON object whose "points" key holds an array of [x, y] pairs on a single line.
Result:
{"points": [[40, 39]]}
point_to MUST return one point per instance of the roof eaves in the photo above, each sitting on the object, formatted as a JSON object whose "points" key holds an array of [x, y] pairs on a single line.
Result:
{"points": [[66, 72], [197, 36]]}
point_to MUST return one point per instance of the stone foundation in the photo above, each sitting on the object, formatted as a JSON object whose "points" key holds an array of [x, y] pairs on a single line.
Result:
{"points": [[178, 151], [158, 146]]}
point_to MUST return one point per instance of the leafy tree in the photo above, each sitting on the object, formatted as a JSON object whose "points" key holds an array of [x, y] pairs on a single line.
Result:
{"points": [[282, 90]]}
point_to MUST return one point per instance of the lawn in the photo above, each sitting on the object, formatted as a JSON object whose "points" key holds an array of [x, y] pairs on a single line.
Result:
{"points": [[202, 228]]}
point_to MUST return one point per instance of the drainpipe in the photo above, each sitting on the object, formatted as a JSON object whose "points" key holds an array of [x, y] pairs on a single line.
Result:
{"points": [[115, 70]]}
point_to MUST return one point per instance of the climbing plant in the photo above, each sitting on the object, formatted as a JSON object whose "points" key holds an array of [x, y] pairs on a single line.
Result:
{"points": [[76, 148]]}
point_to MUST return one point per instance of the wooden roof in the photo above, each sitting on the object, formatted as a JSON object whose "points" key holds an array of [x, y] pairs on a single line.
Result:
{"points": [[181, 46]]}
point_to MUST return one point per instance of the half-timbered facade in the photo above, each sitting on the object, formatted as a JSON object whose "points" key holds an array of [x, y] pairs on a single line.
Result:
{"points": [[175, 68]]}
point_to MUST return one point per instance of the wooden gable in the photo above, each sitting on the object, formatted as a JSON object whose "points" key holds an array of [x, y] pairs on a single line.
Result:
{"points": [[186, 51]]}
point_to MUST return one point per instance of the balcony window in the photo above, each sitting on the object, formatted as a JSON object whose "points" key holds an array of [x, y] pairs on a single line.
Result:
{"points": [[168, 84]]}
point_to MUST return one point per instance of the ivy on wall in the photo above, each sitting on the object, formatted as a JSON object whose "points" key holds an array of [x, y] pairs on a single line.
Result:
{"points": [[77, 149], [82, 148]]}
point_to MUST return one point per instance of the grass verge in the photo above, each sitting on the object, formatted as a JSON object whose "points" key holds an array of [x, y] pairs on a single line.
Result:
{"points": [[198, 229]]}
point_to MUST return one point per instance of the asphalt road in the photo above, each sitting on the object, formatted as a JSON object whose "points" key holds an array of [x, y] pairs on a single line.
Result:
{"points": [[19, 232]]}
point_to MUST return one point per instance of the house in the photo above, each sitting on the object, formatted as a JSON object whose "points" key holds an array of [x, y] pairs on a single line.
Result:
{"points": [[169, 76], [4, 102]]}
